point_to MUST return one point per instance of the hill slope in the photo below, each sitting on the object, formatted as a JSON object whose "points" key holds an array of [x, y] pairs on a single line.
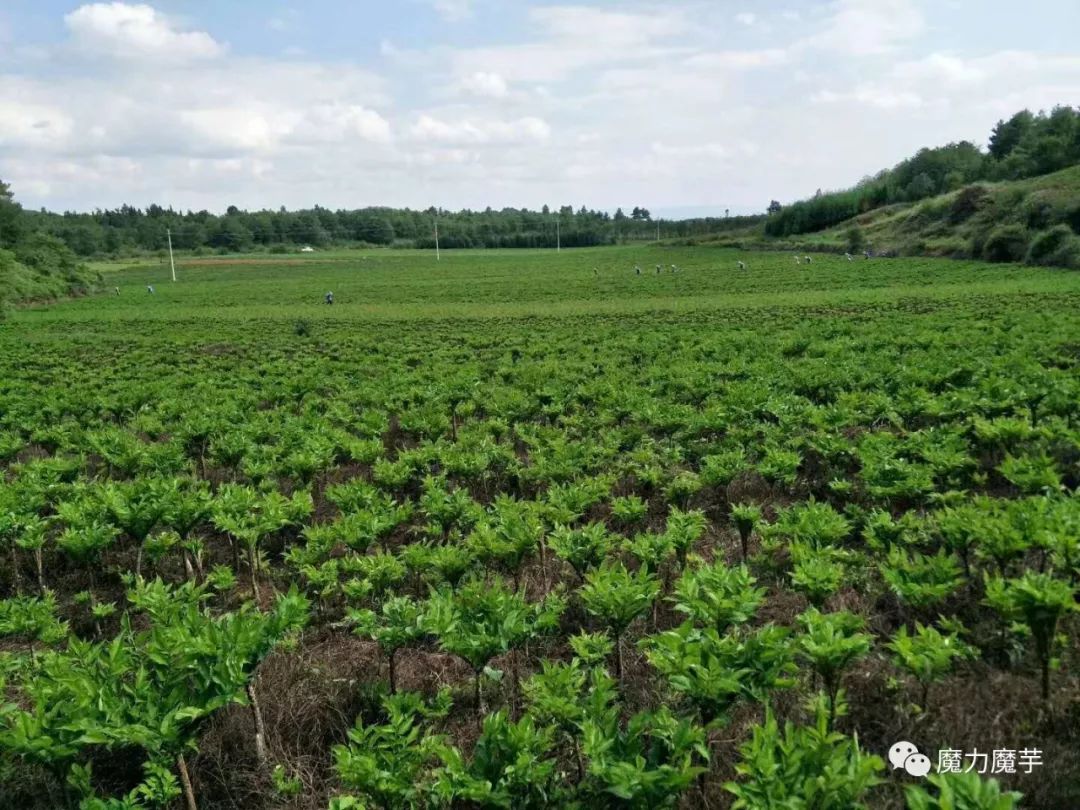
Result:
{"points": [[1034, 220], [35, 265]]}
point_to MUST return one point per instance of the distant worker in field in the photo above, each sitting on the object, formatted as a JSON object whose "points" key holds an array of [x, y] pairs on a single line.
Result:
{"points": [[742, 265], [595, 272], [806, 259], [848, 257], [117, 290], [637, 270], [798, 260], [674, 269], [866, 253], [659, 269], [329, 298], [150, 288]]}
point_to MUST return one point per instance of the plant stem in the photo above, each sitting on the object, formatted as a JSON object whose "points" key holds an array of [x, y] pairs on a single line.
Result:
{"points": [[476, 693], [185, 782], [260, 728], [251, 569], [40, 565], [15, 578], [618, 657]]}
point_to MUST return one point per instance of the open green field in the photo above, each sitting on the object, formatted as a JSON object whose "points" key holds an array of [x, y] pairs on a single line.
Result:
{"points": [[607, 526]]}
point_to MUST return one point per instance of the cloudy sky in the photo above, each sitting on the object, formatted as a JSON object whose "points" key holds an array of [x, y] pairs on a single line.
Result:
{"points": [[683, 107]]}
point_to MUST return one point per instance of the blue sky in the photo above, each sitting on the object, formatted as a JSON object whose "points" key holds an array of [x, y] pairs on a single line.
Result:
{"points": [[683, 107]]}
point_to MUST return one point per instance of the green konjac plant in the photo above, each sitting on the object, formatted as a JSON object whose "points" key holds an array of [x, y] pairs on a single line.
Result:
{"points": [[479, 621], [747, 518], [817, 573], [390, 764], [647, 763], [921, 580], [718, 595], [583, 548], [617, 597], [714, 672], [928, 655], [630, 510], [398, 623], [249, 515], [512, 765], [1038, 600], [146, 689], [32, 618], [831, 643], [960, 791], [684, 529], [804, 767]]}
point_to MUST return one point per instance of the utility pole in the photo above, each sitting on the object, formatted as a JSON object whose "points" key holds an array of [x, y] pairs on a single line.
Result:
{"points": [[437, 257], [657, 231], [558, 237], [172, 264]]}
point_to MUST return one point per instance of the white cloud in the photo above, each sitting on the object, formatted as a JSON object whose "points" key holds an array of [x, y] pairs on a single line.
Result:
{"points": [[599, 25], [453, 10], [571, 39], [340, 123], [746, 18], [30, 124], [940, 68], [643, 103], [529, 128], [695, 151], [739, 60], [123, 30], [881, 96], [232, 127], [868, 27], [484, 84]]}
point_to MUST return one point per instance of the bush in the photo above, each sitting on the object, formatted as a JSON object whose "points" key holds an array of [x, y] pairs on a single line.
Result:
{"points": [[1038, 213], [1007, 243], [966, 203], [1046, 246], [856, 241], [1072, 216]]}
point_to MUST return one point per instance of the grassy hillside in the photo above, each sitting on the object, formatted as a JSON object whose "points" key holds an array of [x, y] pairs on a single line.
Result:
{"points": [[1034, 221], [35, 265]]}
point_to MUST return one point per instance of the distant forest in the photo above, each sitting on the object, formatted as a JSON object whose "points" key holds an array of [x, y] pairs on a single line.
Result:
{"points": [[129, 230], [1026, 145]]}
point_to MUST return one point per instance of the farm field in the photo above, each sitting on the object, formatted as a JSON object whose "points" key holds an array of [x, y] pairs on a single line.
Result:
{"points": [[528, 529]]}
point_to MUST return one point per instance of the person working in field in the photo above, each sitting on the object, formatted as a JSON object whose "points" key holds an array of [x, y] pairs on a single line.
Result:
{"points": [[329, 298], [150, 288]]}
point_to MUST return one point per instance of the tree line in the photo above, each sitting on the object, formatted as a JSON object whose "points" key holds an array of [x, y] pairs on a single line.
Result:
{"points": [[1026, 145], [129, 229]]}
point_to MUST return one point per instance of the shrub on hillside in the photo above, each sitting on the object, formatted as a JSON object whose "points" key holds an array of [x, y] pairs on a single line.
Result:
{"points": [[1007, 243], [856, 241], [1039, 212], [966, 203], [1046, 245], [1057, 247], [1072, 216]]}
